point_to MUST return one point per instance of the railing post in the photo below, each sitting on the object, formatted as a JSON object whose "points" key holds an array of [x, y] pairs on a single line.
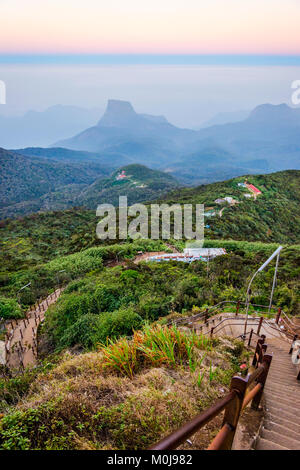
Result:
{"points": [[250, 337], [278, 315], [262, 380], [233, 409], [206, 316], [259, 343], [237, 308], [259, 325], [211, 331]]}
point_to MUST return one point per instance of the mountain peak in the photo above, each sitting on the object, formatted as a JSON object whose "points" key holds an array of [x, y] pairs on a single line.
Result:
{"points": [[271, 111], [117, 114]]}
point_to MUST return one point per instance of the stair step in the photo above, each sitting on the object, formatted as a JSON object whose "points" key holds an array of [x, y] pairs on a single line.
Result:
{"points": [[282, 430], [283, 422], [273, 400], [269, 392], [282, 414], [264, 444], [289, 388], [293, 410], [282, 398], [282, 380], [279, 439]]}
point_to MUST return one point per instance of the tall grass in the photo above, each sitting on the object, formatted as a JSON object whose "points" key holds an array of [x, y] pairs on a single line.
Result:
{"points": [[153, 346]]}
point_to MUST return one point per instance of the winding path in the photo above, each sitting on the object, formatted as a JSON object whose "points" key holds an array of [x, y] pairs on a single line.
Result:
{"points": [[21, 336]]}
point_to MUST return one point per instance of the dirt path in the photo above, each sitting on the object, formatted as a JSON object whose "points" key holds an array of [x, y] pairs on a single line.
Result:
{"points": [[21, 337]]}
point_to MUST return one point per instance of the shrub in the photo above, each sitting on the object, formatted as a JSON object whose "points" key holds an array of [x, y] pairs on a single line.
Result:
{"points": [[9, 308]]}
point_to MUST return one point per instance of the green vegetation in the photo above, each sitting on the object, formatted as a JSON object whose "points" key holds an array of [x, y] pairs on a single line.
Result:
{"points": [[89, 402], [45, 277], [9, 308], [28, 184], [114, 301], [139, 184], [119, 377], [273, 217]]}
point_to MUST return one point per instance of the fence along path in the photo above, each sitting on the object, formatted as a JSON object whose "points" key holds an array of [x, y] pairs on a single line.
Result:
{"points": [[281, 424], [21, 336]]}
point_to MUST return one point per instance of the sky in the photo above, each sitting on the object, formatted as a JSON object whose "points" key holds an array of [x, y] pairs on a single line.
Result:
{"points": [[185, 59], [186, 94], [150, 27]]}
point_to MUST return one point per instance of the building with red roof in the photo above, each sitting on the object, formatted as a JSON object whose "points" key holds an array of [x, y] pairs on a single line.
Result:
{"points": [[252, 188]]}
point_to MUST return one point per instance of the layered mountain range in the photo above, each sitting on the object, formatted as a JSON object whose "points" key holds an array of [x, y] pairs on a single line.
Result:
{"points": [[268, 139]]}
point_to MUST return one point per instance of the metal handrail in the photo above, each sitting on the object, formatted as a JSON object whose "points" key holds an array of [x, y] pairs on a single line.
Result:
{"points": [[182, 434], [208, 310]]}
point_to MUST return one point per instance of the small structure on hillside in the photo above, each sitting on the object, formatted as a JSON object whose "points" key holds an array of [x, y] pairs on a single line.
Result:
{"points": [[121, 175], [254, 190], [229, 199], [189, 255]]}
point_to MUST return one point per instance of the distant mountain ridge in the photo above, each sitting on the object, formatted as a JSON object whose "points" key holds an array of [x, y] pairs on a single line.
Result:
{"points": [[270, 134], [41, 128], [31, 183]]}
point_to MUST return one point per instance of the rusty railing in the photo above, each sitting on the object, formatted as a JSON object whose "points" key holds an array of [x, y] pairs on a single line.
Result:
{"points": [[239, 396]]}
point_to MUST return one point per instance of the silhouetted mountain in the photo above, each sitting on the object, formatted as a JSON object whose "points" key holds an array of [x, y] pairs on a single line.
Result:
{"points": [[43, 128], [121, 129], [225, 118], [271, 132], [270, 135], [110, 160]]}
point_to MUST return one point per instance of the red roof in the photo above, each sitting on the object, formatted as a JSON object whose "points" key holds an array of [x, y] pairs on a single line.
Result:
{"points": [[251, 186]]}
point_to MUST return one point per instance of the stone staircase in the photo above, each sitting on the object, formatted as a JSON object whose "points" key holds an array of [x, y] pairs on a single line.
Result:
{"points": [[281, 425]]}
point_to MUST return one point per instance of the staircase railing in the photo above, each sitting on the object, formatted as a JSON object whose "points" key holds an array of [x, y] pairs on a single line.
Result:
{"points": [[219, 307], [239, 396]]}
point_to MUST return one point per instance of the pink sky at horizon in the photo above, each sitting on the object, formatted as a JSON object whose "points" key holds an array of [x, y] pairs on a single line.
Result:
{"points": [[162, 27]]}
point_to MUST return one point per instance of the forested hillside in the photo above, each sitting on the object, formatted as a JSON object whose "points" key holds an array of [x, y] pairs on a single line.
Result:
{"points": [[137, 182], [29, 184], [273, 216]]}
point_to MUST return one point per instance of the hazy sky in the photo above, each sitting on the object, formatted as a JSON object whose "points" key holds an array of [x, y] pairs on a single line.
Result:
{"points": [[208, 56], [156, 26], [186, 95]]}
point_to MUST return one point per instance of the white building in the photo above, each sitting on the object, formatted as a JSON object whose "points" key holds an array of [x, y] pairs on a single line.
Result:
{"points": [[204, 252]]}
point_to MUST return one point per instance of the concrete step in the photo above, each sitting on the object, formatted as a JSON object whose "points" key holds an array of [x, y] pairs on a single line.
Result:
{"points": [[279, 439], [282, 430], [264, 444], [273, 400], [293, 410], [284, 375], [283, 380], [283, 422], [287, 370], [283, 387], [282, 414]]}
